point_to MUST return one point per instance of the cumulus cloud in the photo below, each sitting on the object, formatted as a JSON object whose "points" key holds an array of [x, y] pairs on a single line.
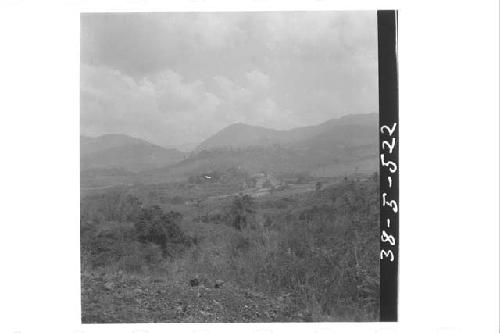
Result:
{"points": [[258, 80], [112, 102], [167, 109], [175, 95], [176, 78], [230, 90]]}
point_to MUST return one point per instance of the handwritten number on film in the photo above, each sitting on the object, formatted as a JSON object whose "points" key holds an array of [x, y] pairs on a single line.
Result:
{"points": [[385, 159]]}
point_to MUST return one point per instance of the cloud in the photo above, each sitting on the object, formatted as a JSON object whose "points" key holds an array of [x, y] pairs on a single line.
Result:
{"points": [[174, 95], [230, 90], [112, 102], [251, 102], [144, 43], [180, 77], [158, 109], [167, 109], [212, 43], [258, 80]]}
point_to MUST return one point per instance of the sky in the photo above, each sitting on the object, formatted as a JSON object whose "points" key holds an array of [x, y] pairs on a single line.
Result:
{"points": [[175, 79]]}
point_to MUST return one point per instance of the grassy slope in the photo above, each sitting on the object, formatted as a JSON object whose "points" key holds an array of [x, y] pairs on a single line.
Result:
{"points": [[311, 255]]}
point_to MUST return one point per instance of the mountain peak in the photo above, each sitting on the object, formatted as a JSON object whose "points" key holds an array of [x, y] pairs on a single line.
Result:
{"points": [[120, 150], [240, 125], [240, 135]]}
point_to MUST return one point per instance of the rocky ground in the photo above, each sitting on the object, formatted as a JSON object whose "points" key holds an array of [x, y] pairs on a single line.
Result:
{"points": [[121, 299]]}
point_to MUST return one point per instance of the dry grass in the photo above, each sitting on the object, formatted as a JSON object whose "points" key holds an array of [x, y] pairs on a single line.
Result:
{"points": [[318, 253]]}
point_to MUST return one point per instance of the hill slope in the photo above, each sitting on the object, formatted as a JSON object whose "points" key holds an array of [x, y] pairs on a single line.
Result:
{"points": [[125, 152], [242, 135], [333, 148]]}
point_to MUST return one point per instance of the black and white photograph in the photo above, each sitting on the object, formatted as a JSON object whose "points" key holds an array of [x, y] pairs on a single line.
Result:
{"points": [[229, 167], [250, 166]]}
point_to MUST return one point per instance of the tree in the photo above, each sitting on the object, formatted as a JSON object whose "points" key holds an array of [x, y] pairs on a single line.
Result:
{"points": [[242, 211], [154, 226]]}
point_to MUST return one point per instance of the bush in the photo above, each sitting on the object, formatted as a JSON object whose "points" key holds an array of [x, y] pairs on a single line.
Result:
{"points": [[242, 212], [156, 227], [115, 205], [127, 237], [318, 251], [322, 253]]}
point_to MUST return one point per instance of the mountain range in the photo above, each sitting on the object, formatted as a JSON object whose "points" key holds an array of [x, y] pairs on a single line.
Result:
{"points": [[332, 148], [242, 135]]}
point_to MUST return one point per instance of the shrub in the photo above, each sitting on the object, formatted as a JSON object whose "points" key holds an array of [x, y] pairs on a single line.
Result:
{"points": [[127, 238], [156, 227], [322, 254], [114, 205], [242, 211]]}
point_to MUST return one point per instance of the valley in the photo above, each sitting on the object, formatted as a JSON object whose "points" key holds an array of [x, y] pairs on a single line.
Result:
{"points": [[238, 230]]}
